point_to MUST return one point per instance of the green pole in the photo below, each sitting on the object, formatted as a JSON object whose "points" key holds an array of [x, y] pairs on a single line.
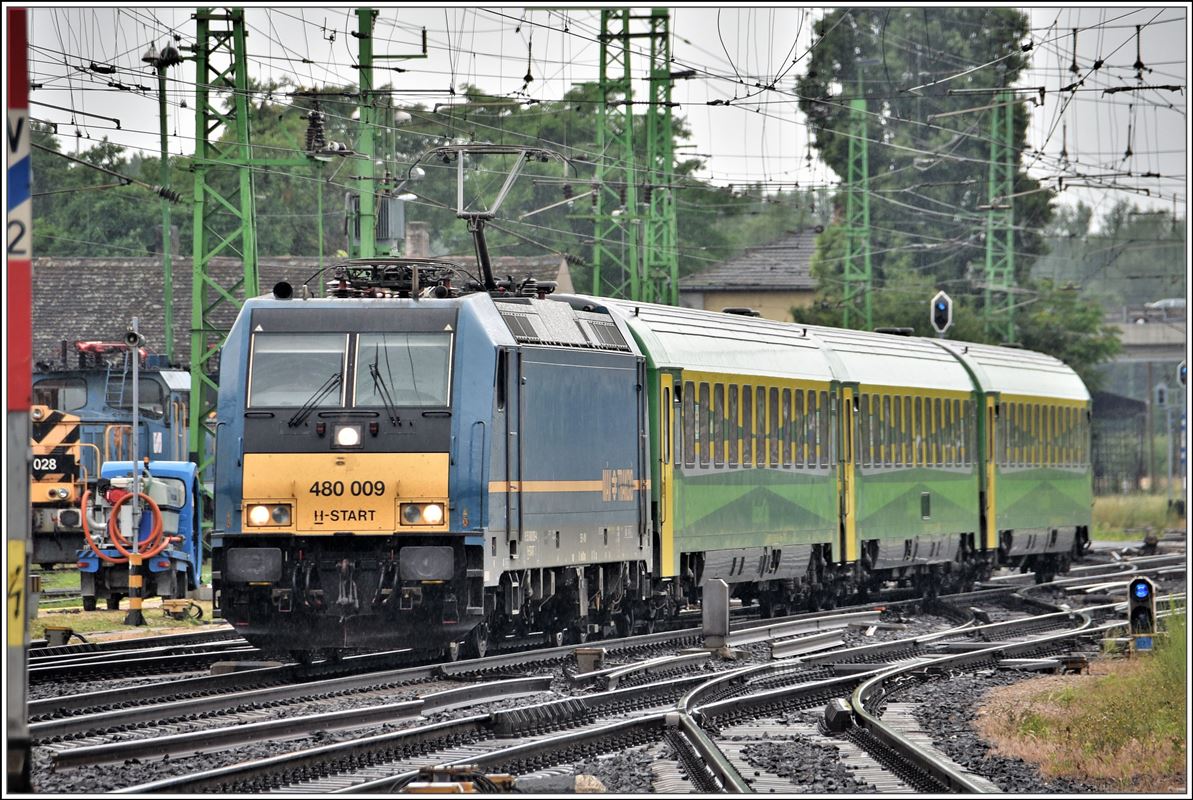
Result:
{"points": [[366, 170], [167, 256]]}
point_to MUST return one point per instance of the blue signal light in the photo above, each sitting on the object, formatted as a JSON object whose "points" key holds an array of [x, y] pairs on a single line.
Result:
{"points": [[941, 307], [1141, 589]]}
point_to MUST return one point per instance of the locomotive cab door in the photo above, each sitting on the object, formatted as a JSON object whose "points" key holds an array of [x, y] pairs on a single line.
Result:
{"points": [[510, 374], [990, 444]]}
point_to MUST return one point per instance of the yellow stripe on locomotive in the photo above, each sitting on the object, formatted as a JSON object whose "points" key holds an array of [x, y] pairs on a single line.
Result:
{"points": [[327, 493]]}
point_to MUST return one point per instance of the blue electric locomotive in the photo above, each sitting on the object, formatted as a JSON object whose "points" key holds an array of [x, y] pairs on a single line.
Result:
{"points": [[405, 464]]}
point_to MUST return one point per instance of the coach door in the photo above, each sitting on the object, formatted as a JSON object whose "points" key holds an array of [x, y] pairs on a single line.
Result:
{"points": [[849, 551], [667, 449], [991, 482]]}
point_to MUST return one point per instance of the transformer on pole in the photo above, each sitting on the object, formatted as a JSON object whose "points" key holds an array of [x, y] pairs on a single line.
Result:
{"points": [[223, 220], [1000, 221], [858, 276]]}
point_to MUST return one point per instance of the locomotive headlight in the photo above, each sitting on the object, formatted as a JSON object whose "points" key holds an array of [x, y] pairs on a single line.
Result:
{"points": [[433, 514], [347, 435], [63, 493], [422, 514], [269, 515], [259, 515]]}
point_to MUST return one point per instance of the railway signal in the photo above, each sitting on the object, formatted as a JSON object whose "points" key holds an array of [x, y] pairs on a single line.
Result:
{"points": [[942, 312], [1141, 611], [1182, 372]]}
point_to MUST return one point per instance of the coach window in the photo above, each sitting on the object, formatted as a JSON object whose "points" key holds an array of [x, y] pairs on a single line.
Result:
{"points": [[897, 430], [760, 425], [747, 427], [946, 435], [293, 369], [703, 413], [718, 425], [888, 431], [61, 394], [823, 442], [863, 458], [799, 430], [689, 424], [907, 437], [810, 429], [785, 439], [773, 429], [733, 426]]}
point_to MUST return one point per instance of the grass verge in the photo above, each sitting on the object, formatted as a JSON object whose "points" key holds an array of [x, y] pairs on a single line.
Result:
{"points": [[1123, 517], [102, 621], [1122, 728]]}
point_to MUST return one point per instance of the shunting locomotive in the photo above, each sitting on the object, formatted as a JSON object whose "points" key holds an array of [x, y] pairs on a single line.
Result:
{"points": [[81, 419], [425, 458]]}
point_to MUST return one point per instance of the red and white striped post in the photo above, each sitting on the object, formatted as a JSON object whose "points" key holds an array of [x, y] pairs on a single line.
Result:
{"points": [[17, 397]]}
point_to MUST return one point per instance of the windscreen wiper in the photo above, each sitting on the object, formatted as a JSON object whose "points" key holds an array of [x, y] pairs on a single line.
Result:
{"points": [[301, 415], [383, 390]]}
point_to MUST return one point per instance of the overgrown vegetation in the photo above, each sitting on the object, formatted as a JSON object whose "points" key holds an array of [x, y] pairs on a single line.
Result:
{"points": [[1125, 516], [1124, 730]]}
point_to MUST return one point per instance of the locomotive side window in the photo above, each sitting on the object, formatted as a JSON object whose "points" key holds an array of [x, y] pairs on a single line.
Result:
{"points": [[414, 368], [864, 457], [291, 369], [61, 394], [689, 424], [151, 396]]}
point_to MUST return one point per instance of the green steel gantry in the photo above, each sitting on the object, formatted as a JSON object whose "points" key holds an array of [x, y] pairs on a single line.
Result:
{"points": [[223, 217], [635, 251], [857, 274], [1000, 221], [615, 246], [660, 242]]}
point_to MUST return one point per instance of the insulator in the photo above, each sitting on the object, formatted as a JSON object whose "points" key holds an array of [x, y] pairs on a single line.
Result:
{"points": [[568, 193]]}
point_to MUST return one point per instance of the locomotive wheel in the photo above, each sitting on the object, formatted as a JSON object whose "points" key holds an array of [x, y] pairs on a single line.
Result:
{"points": [[88, 602], [477, 644]]}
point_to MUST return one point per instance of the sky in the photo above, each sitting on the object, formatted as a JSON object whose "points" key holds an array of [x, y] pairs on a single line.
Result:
{"points": [[731, 48]]}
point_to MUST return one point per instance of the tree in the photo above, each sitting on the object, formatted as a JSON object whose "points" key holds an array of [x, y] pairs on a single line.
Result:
{"points": [[928, 175]]}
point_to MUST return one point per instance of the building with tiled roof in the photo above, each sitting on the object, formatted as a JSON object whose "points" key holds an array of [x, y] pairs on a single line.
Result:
{"points": [[770, 278], [78, 298]]}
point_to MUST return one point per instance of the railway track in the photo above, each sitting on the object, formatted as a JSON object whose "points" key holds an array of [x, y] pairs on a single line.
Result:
{"points": [[636, 708]]}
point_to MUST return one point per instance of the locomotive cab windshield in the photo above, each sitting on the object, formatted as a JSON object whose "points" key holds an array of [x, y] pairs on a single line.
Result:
{"points": [[389, 369]]}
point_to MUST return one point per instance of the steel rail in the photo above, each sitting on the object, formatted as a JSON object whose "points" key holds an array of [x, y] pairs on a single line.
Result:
{"points": [[272, 730], [549, 715], [166, 640], [208, 705]]}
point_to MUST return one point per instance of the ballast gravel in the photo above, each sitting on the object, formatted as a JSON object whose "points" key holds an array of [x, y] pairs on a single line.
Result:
{"points": [[946, 711], [811, 768]]}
